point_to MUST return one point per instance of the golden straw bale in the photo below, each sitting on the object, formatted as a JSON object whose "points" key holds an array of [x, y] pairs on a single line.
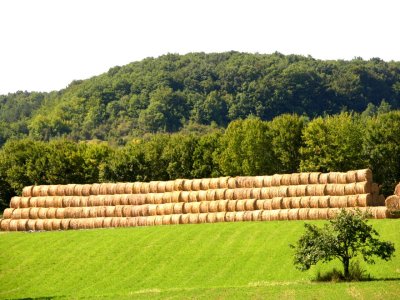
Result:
{"points": [[363, 187], [352, 200], [323, 213], [250, 204], [274, 214], [193, 218], [276, 203], [5, 224], [343, 201], [239, 194], [364, 175], [202, 218], [286, 202], [283, 191], [232, 183], [292, 190], [323, 201], [284, 214], [176, 195], [99, 211], [166, 220], [42, 213], [311, 190], [342, 178], [65, 224], [69, 190], [265, 215], [77, 190], [196, 184], [106, 222], [294, 179], [295, 202], [314, 201], [22, 225], [220, 216], [184, 196], [95, 189], [213, 206], [85, 190], [351, 176], [136, 187], [333, 177], [381, 212], [240, 205], [323, 178], [103, 189], [214, 183], [52, 190], [220, 194], [178, 184], [339, 190], [75, 201], [205, 183], [304, 178], [150, 221], [267, 204], [58, 201], [115, 222], [51, 213], [56, 224], [305, 202], [30, 225], [301, 190], [267, 182], [27, 191], [44, 189], [210, 196], [36, 191], [222, 205], [152, 210], [166, 197], [350, 189], [266, 192], [223, 182], [202, 196], [274, 192], [39, 225], [314, 177], [260, 204], [98, 223], [293, 214], [140, 221], [239, 216], [153, 187], [157, 220], [184, 219], [230, 194], [204, 206], [230, 216], [16, 214], [83, 201], [231, 205], [187, 185], [259, 180], [248, 216], [195, 207], [187, 207], [106, 200], [330, 189], [15, 202], [193, 196], [254, 193], [145, 188], [48, 225], [177, 208], [66, 201], [33, 213], [313, 214], [123, 199], [303, 213], [110, 210], [276, 179], [286, 179], [320, 190]]}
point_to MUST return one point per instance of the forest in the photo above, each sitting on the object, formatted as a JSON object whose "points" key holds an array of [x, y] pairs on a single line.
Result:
{"points": [[288, 143], [192, 92]]}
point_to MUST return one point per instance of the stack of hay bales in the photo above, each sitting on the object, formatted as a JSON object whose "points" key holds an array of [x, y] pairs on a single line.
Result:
{"points": [[299, 196], [393, 203]]}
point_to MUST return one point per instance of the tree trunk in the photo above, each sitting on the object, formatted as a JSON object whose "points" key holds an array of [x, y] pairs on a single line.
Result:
{"points": [[346, 263]]}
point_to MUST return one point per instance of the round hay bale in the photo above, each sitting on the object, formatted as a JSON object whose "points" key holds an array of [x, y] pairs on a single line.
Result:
{"points": [[85, 189], [120, 188], [205, 183], [339, 190], [229, 194], [185, 196], [187, 185], [158, 220], [276, 180], [144, 209], [202, 218], [95, 189], [314, 201], [204, 207], [274, 192], [56, 224], [303, 213], [193, 196], [250, 204], [5, 224], [232, 183], [167, 220], [202, 196], [311, 190], [223, 182], [364, 175], [21, 225], [231, 205], [168, 208], [75, 201], [36, 191], [342, 178], [83, 201], [313, 214], [110, 211], [295, 202], [294, 179], [116, 221], [276, 203], [323, 178], [283, 191], [314, 177], [220, 194], [196, 185], [301, 190], [187, 207], [320, 190], [323, 201], [333, 177], [160, 209], [16, 214], [267, 204], [267, 182], [152, 210], [286, 202], [136, 187], [213, 206], [51, 213], [178, 208], [145, 188], [161, 187], [106, 222], [156, 198], [230, 217], [103, 189], [153, 186], [274, 215], [248, 216], [350, 189], [211, 195], [33, 213], [286, 179], [330, 189], [193, 218], [343, 201], [222, 205], [240, 205], [42, 213], [304, 178], [381, 212], [69, 190], [305, 202], [39, 225], [393, 202], [66, 201], [178, 184], [255, 193], [176, 196], [284, 214], [266, 193], [239, 216], [44, 189], [293, 214], [259, 181], [58, 201], [260, 204], [150, 221], [364, 200], [323, 213], [123, 199], [332, 212], [30, 225], [214, 183], [15, 202], [98, 222], [240, 194], [92, 212], [101, 211], [265, 215], [352, 200], [52, 190], [108, 200], [64, 224], [167, 197], [351, 176], [184, 219], [48, 225], [363, 187], [85, 212], [292, 190], [27, 191]]}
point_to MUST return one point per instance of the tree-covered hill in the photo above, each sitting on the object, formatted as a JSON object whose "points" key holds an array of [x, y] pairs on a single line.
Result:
{"points": [[168, 93]]}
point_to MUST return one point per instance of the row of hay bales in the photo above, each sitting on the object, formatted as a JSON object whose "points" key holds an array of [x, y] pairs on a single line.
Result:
{"points": [[191, 218], [313, 178], [129, 210], [116, 209], [369, 190]]}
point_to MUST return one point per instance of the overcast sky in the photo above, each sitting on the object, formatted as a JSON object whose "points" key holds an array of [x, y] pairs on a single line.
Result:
{"points": [[45, 44]]}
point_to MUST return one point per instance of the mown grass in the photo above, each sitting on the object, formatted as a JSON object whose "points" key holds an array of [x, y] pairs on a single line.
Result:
{"points": [[222, 260]]}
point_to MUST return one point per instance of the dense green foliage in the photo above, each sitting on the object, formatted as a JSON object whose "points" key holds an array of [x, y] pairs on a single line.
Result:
{"points": [[204, 261], [173, 91], [286, 144], [343, 238]]}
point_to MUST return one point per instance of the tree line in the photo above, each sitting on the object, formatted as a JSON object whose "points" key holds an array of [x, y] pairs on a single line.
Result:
{"points": [[173, 92], [288, 143]]}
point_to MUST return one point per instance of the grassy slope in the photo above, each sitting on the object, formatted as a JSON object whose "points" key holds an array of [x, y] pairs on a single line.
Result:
{"points": [[225, 260]]}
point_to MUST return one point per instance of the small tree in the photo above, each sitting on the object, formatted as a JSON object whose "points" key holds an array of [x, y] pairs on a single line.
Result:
{"points": [[344, 237]]}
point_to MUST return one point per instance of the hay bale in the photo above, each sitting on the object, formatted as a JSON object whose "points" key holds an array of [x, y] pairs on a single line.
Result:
{"points": [[231, 205], [48, 225], [393, 202], [77, 190], [343, 201], [303, 213], [57, 201], [205, 183], [284, 214], [158, 220], [15, 202], [230, 216], [276, 203], [177, 208], [330, 189], [51, 213], [5, 224], [52, 190], [292, 190], [351, 176], [286, 202], [274, 192], [27, 191], [381, 212], [258, 182], [293, 214], [136, 187], [193, 218], [323, 213], [196, 185], [39, 225], [240, 205], [86, 190], [313, 214], [259, 204], [223, 182], [364, 175], [276, 180], [95, 189], [220, 194], [176, 196], [36, 191], [323, 178], [397, 190], [175, 219], [214, 183], [254, 193], [239, 194], [229, 194], [106, 222], [145, 188], [311, 190], [286, 179], [323, 201], [18, 225], [202, 195], [314, 178], [332, 212], [250, 204], [193, 196], [232, 183], [295, 202], [248, 216], [42, 213], [364, 187], [265, 193], [44, 190], [187, 185], [239, 216], [333, 177], [339, 190], [320, 190], [304, 178], [265, 215], [153, 187], [202, 218], [314, 201], [342, 178], [294, 179], [352, 200], [184, 219], [222, 205], [220, 216], [195, 207], [267, 182], [65, 224], [33, 213], [178, 184], [211, 195], [350, 189], [301, 190], [83, 201], [274, 214], [283, 191]]}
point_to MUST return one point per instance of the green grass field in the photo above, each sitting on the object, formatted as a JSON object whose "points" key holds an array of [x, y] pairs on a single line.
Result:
{"points": [[206, 261]]}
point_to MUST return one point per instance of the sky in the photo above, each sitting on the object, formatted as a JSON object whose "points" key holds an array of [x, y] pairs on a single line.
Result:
{"points": [[46, 44]]}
